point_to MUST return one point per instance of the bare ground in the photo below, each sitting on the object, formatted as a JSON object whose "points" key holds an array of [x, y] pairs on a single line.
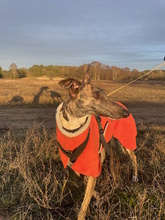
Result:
{"points": [[26, 103], [24, 118]]}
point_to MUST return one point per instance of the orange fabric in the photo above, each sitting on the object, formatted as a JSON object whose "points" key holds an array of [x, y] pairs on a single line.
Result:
{"points": [[88, 163]]}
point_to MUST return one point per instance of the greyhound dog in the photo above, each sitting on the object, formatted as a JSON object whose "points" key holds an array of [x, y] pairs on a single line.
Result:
{"points": [[75, 118]]}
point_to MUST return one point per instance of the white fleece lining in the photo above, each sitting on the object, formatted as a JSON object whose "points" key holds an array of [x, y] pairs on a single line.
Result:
{"points": [[66, 133]]}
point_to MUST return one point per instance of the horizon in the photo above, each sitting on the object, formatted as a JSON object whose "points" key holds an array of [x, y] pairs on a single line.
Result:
{"points": [[22, 67]]}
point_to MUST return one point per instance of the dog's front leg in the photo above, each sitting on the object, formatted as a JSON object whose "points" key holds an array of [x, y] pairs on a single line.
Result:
{"points": [[134, 163], [87, 198]]}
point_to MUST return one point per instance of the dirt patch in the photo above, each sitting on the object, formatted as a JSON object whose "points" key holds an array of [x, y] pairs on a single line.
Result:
{"points": [[26, 117], [149, 115], [23, 118], [26, 103]]}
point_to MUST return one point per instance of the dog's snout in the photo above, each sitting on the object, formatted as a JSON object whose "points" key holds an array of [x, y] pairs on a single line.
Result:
{"points": [[125, 113]]}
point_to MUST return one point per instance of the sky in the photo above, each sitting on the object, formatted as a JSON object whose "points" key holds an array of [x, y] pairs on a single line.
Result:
{"points": [[123, 33]]}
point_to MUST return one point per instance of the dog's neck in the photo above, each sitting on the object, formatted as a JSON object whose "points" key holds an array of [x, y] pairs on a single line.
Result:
{"points": [[70, 122], [72, 126]]}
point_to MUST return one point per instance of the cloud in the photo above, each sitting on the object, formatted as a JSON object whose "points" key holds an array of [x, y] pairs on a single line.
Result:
{"points": [[128, 33]]}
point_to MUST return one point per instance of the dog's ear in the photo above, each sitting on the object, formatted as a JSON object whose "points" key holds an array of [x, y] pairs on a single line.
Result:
{"points": [[86, 79], [74, 86]]}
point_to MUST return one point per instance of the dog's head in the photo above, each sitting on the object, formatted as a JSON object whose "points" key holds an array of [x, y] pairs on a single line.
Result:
{"points": [[88, 99]]}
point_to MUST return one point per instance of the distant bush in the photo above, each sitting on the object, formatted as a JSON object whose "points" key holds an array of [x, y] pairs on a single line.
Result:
{"points": [[157, 75], [0, 72], [36, 70], [9, 74], [22, 73]]}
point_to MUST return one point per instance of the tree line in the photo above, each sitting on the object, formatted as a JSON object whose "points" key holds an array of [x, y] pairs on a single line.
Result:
{"points": [[97, 70]]}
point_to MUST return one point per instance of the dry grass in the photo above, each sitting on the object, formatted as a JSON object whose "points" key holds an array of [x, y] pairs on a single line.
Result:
{"points": [[138, 93], [32, 180], [28, 89], [141, 93], [34, 185]]}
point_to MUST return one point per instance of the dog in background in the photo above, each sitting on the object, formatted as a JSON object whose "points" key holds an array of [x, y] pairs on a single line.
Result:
{"points": [[78, 132]]}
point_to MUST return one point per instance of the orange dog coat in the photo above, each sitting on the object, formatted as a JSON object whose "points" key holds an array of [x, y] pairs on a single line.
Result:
{"points": [[88, 163]]}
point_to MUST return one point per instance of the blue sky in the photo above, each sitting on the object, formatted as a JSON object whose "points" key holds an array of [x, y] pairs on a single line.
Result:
{"points": [[125, 33]]}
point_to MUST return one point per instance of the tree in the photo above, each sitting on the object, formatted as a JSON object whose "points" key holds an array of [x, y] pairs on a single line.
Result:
{"points": [[98, 68], [0, 72], [36, 70], [94, 69], [135, 74], [22, 72], [82, 70], [114, 72], [106, 72], [125, 73], [13, 68]]}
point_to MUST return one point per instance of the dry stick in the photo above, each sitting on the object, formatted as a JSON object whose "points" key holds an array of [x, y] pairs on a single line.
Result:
{"points": [[136, 79]]}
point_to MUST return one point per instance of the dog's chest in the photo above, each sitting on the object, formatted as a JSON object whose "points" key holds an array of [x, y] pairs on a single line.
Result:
{"points": [[88, 163]]}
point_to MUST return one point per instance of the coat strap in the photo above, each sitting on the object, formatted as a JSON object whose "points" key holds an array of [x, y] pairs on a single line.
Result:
{"points": [[73, 155], [101, 131]]}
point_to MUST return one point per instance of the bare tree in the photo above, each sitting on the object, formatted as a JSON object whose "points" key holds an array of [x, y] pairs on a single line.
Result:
{"points": [[114, 72], [14, 68], [95, 67], [0, 72]]}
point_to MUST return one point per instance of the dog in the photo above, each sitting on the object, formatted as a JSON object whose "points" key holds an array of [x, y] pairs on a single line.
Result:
{"points": [[85, 119]]}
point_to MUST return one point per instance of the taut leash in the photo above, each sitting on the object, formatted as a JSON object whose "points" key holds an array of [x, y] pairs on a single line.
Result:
{"points": [[137, 79]]}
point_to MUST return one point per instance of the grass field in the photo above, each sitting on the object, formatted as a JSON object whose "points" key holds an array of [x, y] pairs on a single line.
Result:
{"points": [[139, 93], [33, 183]]}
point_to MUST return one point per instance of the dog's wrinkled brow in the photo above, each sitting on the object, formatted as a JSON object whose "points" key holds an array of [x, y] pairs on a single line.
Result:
{"points": [[96, 89]]}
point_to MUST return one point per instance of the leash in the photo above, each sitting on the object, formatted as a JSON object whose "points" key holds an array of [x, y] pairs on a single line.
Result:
{"points": [[163, 64]]}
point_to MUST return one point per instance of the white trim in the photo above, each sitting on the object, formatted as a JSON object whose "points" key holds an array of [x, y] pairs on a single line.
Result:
{"points": [[66, 133]]}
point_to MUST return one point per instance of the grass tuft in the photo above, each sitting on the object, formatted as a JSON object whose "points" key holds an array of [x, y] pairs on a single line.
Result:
{"points": [[34, 185]]}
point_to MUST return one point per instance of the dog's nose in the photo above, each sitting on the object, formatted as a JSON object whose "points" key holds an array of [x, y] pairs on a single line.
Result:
{"points": [[125, 113]]}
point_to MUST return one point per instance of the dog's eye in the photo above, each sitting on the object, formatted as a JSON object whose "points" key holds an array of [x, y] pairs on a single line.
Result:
{"points": [[96, 94]]}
